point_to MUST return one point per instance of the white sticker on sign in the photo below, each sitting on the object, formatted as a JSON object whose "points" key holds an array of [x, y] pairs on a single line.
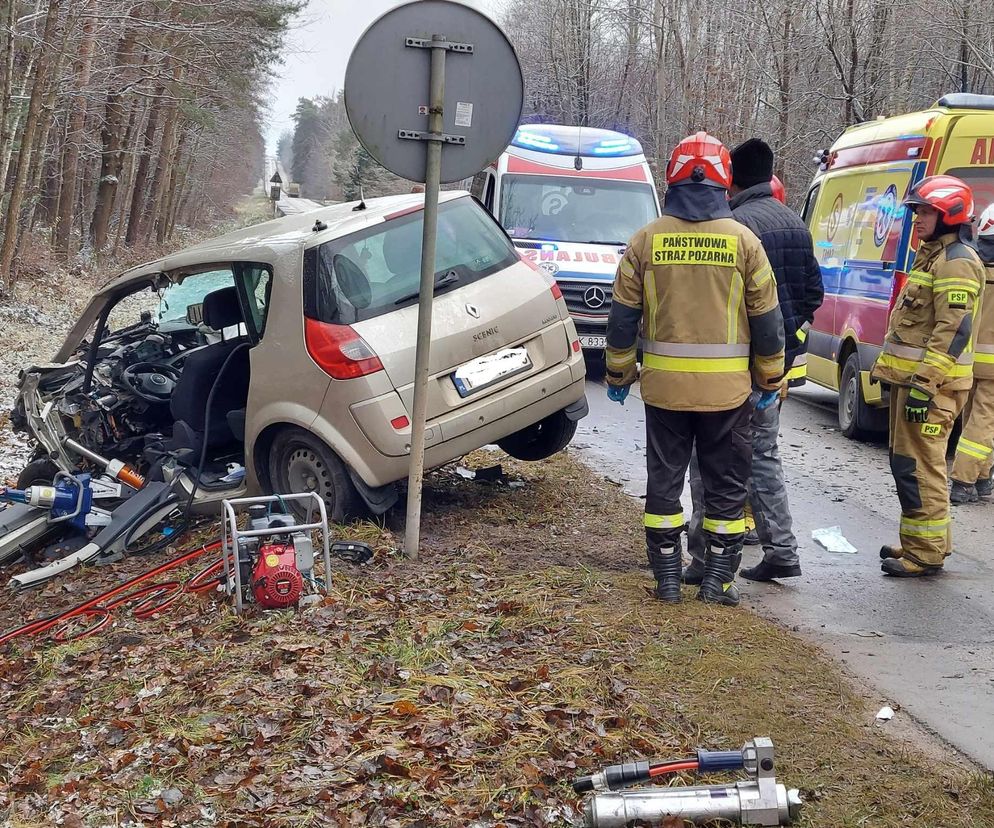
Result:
{"points": [[464, 114]]}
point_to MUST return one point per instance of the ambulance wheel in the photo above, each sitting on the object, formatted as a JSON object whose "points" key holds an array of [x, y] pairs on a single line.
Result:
{"points": [[300, 462], [854, 413], [39, 472]]}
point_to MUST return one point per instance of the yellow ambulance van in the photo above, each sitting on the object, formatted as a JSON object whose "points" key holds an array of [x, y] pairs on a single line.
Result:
{"points": [[865, 241]]}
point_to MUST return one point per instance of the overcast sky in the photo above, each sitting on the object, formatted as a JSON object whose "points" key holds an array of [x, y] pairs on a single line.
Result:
{"points": [[319, 49]]}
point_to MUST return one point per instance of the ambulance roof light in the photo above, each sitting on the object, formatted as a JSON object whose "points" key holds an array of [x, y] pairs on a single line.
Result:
{"points": [[966, 100], [569, 140]]}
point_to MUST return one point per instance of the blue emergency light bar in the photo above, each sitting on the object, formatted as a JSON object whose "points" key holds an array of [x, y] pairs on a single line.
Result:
{"points": [[557, 139]]}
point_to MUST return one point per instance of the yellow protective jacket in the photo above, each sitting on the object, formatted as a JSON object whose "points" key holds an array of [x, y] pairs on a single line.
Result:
{"points": [[929, 343], [983, 336], [705, 298]]}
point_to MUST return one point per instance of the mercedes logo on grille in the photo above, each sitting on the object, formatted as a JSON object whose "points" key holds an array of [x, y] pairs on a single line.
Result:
{"points": [[594, 297]]}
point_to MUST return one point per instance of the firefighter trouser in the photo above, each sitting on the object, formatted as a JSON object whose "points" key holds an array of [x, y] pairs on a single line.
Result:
{"points": [[724, 452], [918, 462], [974, 454], [767, 495]]}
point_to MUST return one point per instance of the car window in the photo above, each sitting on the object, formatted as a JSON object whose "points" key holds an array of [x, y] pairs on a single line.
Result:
{"points": [[258, 282], [378, 269], [981, 181], [175, 299]]}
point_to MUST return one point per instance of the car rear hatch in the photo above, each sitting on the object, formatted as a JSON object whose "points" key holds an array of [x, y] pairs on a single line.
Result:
{"points": [[364, 288], [514, 308]]}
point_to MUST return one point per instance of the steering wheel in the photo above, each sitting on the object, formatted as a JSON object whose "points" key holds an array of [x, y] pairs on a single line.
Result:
{"points": [[151, 381]]}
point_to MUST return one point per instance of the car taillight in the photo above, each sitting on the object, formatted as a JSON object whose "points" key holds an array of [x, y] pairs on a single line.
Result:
{"points": [[900, 279], [339, 351], [556, 292]]}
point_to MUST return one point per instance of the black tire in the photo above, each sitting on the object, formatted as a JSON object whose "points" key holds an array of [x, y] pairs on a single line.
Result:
{"points": [[596, 364], [854, 414], [39, 472], [541, 440], [300, 462]]}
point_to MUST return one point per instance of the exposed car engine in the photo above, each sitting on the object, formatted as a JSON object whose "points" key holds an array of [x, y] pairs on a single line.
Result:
{"points": [[135, 372]]}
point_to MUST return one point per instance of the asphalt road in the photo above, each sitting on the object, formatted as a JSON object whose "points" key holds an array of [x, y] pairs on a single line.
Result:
{"points": [[925, 644]]}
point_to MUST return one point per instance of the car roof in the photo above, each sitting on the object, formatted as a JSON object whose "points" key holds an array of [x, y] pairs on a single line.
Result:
{"points": [[260, 242]]}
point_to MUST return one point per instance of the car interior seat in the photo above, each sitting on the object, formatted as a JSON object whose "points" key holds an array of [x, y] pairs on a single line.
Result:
{"points": [[193, 423]]}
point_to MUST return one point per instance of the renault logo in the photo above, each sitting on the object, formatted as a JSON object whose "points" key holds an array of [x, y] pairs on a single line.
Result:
{"points": [[594, 297], [473, 311]]}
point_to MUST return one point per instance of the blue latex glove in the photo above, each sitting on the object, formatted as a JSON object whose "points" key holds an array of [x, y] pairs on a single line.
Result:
{"points": [[618, 393], [766, 399]]}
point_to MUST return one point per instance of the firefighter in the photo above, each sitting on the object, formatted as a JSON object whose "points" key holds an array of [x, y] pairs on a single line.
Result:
{"points": [[971, 473], [702, 289], [927, 359]]}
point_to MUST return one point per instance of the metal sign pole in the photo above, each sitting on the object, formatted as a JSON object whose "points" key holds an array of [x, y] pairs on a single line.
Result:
{"points": [[433, 171]]}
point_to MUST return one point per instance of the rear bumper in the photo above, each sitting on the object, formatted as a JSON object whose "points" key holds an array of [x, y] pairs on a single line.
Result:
{"points": [[497, 419]]}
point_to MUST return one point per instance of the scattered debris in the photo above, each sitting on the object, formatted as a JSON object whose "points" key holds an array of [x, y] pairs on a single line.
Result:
{"points": [[833, 540], [885, 714]]}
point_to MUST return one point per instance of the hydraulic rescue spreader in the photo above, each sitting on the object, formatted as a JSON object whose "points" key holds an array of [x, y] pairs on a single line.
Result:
{"points": [[760, 800]]}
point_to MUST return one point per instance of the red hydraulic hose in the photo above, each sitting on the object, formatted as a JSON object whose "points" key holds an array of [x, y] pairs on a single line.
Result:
{"points": [[672, 767], [95, 607]]}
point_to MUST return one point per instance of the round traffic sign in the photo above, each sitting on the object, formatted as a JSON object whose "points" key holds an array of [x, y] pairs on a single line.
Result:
{"points": [[387, 88]]}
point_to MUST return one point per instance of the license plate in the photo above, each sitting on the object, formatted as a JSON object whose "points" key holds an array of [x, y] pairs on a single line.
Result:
{"points": [[593, 341], [488, 370]]}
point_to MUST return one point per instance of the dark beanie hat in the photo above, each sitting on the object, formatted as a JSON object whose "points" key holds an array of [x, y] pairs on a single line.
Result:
{"points": [[752, 163]]}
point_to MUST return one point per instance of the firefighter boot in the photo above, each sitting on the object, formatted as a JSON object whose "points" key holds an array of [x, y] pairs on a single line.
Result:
{"points": [[985, 486], [718, 584], [962, 493], [666, 564], [906, 568], [693, 573]]}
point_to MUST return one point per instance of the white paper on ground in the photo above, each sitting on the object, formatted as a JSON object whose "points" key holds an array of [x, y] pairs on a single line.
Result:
{"points": [[833, 540], [885, 714]]}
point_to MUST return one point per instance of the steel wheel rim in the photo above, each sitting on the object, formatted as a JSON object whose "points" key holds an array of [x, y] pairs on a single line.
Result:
{"points": [[306, 472], [849, 401]]}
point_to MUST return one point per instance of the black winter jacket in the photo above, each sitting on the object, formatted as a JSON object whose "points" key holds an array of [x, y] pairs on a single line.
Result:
{"points": [[790, 250]]}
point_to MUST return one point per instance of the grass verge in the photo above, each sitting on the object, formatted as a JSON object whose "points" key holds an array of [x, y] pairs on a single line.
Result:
{"points": [[467, 688]]}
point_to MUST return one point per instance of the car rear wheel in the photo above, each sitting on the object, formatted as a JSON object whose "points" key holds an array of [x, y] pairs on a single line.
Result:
{"points": [[300, 462], [39, 472], [541, 440], [854, 413]]}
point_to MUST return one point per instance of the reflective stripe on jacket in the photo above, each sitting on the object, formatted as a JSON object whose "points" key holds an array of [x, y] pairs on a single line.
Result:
{"points": [[929, 343], [983, 331], [704, 296]]}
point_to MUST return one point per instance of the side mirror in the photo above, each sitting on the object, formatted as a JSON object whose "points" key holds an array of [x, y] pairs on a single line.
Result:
{"points": [[195, 313]]}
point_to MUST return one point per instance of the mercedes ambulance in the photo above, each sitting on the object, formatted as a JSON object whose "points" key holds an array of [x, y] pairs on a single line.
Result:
{"points": [[571, 198], [864, 237]]}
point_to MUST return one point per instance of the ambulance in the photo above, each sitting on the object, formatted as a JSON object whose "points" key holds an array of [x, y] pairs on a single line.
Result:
{"points": [[864, 237], [571, 198]]}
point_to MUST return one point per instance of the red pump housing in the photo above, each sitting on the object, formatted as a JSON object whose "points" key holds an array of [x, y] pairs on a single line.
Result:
{"points": [[276, 581]]}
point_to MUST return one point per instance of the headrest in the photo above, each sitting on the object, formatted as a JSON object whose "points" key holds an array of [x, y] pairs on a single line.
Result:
{"points": [[221, 309], [353, 283], [402, 248]]}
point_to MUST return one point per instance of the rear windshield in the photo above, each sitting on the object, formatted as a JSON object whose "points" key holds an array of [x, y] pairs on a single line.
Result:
{"points": [[552, 208], [377, 270]]}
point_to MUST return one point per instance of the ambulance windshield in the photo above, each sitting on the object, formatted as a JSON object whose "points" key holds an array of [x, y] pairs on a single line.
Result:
{"points": [[569, 209]]}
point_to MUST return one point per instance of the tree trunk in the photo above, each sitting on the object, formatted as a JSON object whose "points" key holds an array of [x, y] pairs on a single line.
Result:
{"points": [[112, 135], [6, 79], [139, 202], [39, 156], [166, 145], [162, 221], [28, 138], [74, 138]]}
